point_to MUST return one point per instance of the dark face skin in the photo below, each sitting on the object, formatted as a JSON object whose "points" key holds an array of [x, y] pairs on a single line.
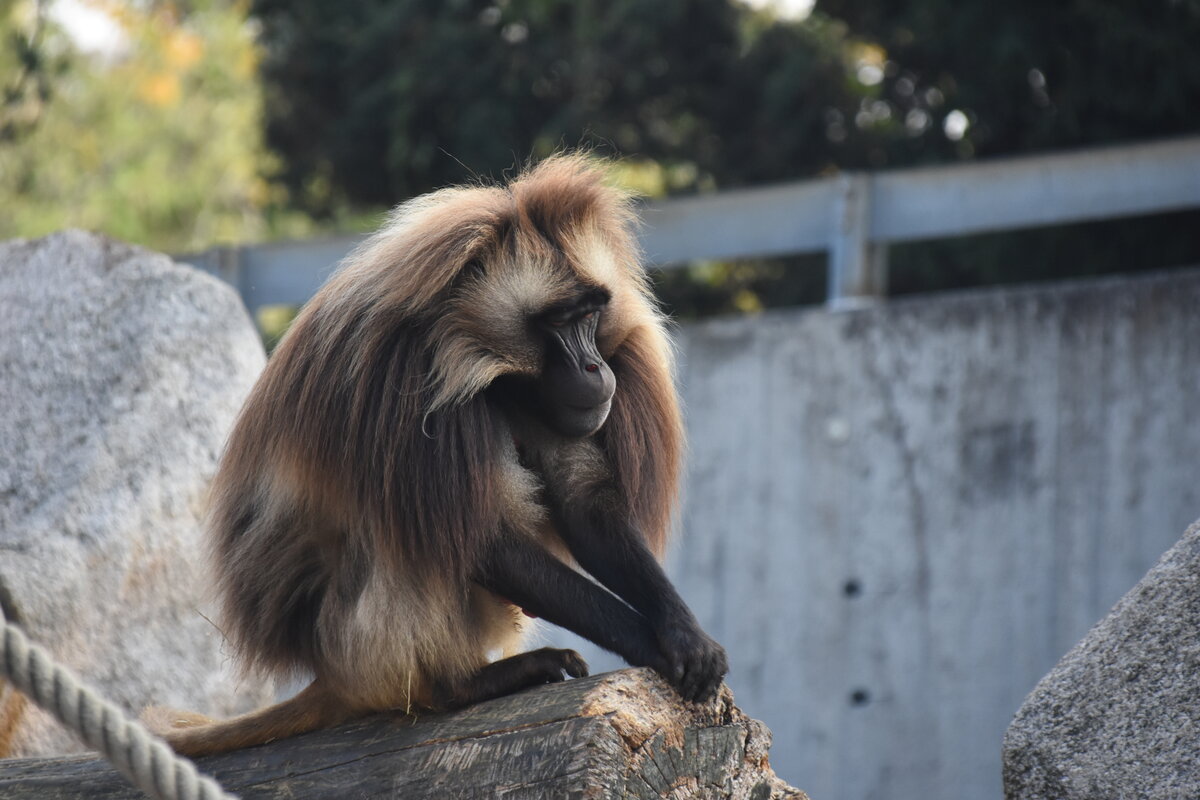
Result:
{"points": [[575, 390], [646, 622]]}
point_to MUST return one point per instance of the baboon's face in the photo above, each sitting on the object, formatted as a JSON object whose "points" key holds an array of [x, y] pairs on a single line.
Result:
{"points": [[531, 323], [576, 385]]}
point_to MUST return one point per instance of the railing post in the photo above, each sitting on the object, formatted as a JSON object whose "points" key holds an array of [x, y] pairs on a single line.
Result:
{"points": [[228, 263], [220, 261], [857, 266]]}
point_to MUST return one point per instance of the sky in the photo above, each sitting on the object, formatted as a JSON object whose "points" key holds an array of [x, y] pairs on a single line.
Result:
{"points": [[92, 30], [787, 9]]}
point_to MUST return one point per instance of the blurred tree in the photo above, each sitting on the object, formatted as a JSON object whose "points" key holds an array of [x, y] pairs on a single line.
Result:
{"points": [[1030, 75], [156, 140], [373, 102], [964, 80], [369, 102], [27, 67]]}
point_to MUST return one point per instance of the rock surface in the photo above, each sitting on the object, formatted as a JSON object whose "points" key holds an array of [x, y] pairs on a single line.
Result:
{"points": [[1119, 716], [121, 373]]}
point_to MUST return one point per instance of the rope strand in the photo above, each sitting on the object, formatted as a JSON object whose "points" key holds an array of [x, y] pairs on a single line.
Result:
{"points": [[143, 758]]}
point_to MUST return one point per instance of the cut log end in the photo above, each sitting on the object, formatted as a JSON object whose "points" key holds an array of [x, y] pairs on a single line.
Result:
{"points": [[623, 734]]}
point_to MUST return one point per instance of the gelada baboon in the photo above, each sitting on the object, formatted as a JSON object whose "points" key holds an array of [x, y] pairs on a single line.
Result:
{"points": [[477, 402]]}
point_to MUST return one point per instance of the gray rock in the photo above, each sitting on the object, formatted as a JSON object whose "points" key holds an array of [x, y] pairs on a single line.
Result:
{"points": [[121, 373], [1119, 716]]}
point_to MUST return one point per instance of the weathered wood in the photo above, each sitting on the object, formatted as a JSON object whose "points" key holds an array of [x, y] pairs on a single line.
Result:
{"points": [[619, 735]]}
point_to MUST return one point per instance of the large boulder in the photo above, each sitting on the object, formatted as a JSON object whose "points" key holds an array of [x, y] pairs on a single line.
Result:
{"points": [[121, 373], [1119, 716]]}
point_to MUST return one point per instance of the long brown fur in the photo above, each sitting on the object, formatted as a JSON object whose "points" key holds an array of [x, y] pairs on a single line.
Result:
{"points": [[368, 473], [13, 705]]}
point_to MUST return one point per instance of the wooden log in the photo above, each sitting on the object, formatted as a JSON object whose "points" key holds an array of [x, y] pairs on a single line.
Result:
{"points": [[623, 734]]}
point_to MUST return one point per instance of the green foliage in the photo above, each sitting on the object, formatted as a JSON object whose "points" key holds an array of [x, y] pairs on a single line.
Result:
{"points": [[1032, 75], [373, 102], [273, 322], [368, 102], [27, 67], [160, 144], [1029, 76], [744, 286]]}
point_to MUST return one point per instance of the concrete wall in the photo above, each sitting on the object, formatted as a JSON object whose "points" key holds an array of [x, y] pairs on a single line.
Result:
{"points": [[897, 519]]}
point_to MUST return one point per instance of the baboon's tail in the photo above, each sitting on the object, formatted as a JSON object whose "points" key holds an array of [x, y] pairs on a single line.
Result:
{"points": [[192, 735]]}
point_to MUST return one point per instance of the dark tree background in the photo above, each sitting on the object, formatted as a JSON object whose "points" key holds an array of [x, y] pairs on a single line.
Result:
{"points": [[373, 101], [1033, 76]]}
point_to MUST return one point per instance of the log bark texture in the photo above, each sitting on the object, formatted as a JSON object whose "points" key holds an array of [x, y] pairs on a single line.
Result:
{"points": [[623, 734]]}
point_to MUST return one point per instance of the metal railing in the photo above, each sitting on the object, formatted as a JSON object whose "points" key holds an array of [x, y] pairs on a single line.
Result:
{"points": [[853, 217]]}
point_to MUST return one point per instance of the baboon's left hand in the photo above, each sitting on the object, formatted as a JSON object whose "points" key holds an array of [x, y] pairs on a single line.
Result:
{"points": [[695, 663]]}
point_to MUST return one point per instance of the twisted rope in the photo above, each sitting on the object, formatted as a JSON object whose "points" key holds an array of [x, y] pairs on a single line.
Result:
{"points": [[144, 759]]}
